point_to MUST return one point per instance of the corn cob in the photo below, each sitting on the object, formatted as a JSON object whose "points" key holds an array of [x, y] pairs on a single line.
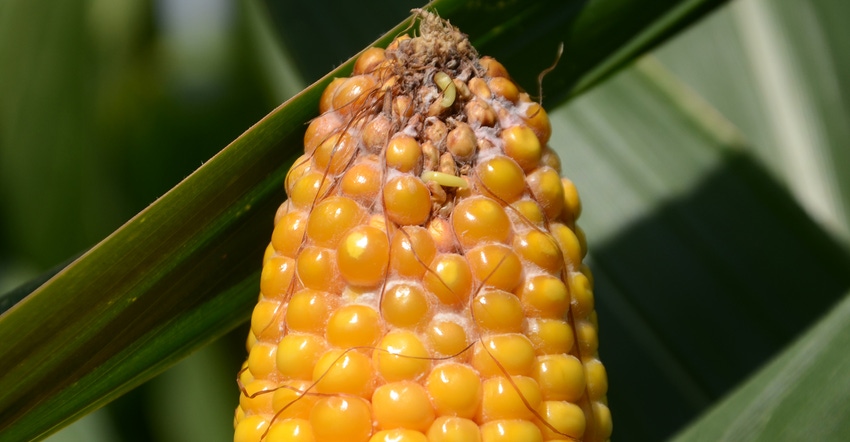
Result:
{"points": [[424, 281]]}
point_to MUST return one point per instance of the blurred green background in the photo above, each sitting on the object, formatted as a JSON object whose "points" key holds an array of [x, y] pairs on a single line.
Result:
{"points": [[700, 168]]}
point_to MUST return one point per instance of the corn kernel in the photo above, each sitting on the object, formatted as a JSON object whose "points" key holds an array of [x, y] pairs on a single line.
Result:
{"points": [[276, 277], [447, 338], [510, 431], [407, 200], [291, 401], [338, 418], [288, 233], [398, 435], [347, 372], [308, 311], [401, 356], [402, 405], [362, 182], [251, 429], [309, 188], [331, 219], [550, 336], [454, 429], [405, 305], [496, 265], [478, 220], [597, 379], [561, 377], [317, 269], [411, 251], [265, 323], [561, 421], [353, 93], [449, 278], [261, 359], [320, 129], [291, 430], [502, 177], [354, 326], [297, 353], [369, 60], [523, 146], [403, 153], [509, 398], [503, 355], [455, 390], [541, 249], [498, 311], [363, 256], [257, 396], [544, 296], [545, 186]]}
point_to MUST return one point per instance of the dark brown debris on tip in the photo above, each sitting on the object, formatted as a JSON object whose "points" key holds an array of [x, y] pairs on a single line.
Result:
{"points": [[439, 44]]}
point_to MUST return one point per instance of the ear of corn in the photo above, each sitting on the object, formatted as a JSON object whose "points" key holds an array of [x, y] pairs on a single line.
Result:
{"points": [[424, 281]]}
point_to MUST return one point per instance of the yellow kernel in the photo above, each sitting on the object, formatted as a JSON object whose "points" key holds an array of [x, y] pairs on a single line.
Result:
{"points": [[505, 88], [502, 178], [401, 356], [363, 256], [545, 186], [354, 93], [496, 265], [510, 431], [309, 189], [291, 401], [493, 67], [447, 338], [368, 60], [268, 253], [300, 166], [288, 233], [261, 359], [250, 342], [398, 435], [522, 145], [403, 153], [402, 405], [479, 87], [341, 418], [319, 129], [344, 372], [291, 430], [411, 251], [308, 310], [354, 326], [461, 142], [335, 153], [497, 311], [257, 397], [407, 200], [503, 355], [251, 429], [540, 248], [567, 421], [330, 220], [362, 181], [569, 243], [317, 269], [582, 241], [455, 390], [404, 305], [602, 417], [326, 101], [276, 277], [454, 429], [449, 278], [560, 377], [537, 119], [297, 353], [529, 212], [582, 295], [376, 133], [545, 296], [587, 337], [550, 158], [597, 379], [550, 336], [504, 398], [265, 324], [480, 219], [571, 199]]}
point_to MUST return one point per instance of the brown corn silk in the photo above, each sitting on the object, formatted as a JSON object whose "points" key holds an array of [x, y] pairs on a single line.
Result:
{"points": [[424, 281]]}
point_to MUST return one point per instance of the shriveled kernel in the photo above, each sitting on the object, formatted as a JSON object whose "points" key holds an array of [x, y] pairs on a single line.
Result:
{"points": [[308, 310], [522, 145], [454, 429], [261, 359], [505, 88], [495, 265], [363, 256], [291, 400], [326, 101], [405, 305], [297, 353], [461, 141], [368, 60], [402, 405], [362, 181], [344, 372], [264, 320], [449, 278], [411, 251], [354, 325], [335, 153], [560, 377], [257, 396], [354, 93], [545, 186], [479, 88], [289, 233], [550, 158], [398, 435], [537, 119], [509, 398], [513, 351], [502, 178], [480, 219], [455, 390], [479, 113], [569, 243], [330, 220], [251, 429], [435, 131], [566, 419], [447, 338], [276, 277], [291, 430], [401, 356], [402, 107], [442, 233], [403, 153], [497, 311], [510, 430], [539, 248], [376, 133], [309, 189], [407, 200], [597, 379], [342, 418], [544, 296], [317, 269], [551, 336]]}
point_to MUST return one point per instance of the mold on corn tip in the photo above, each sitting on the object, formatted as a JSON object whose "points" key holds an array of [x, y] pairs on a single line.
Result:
{"points": [[424, 280]]}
